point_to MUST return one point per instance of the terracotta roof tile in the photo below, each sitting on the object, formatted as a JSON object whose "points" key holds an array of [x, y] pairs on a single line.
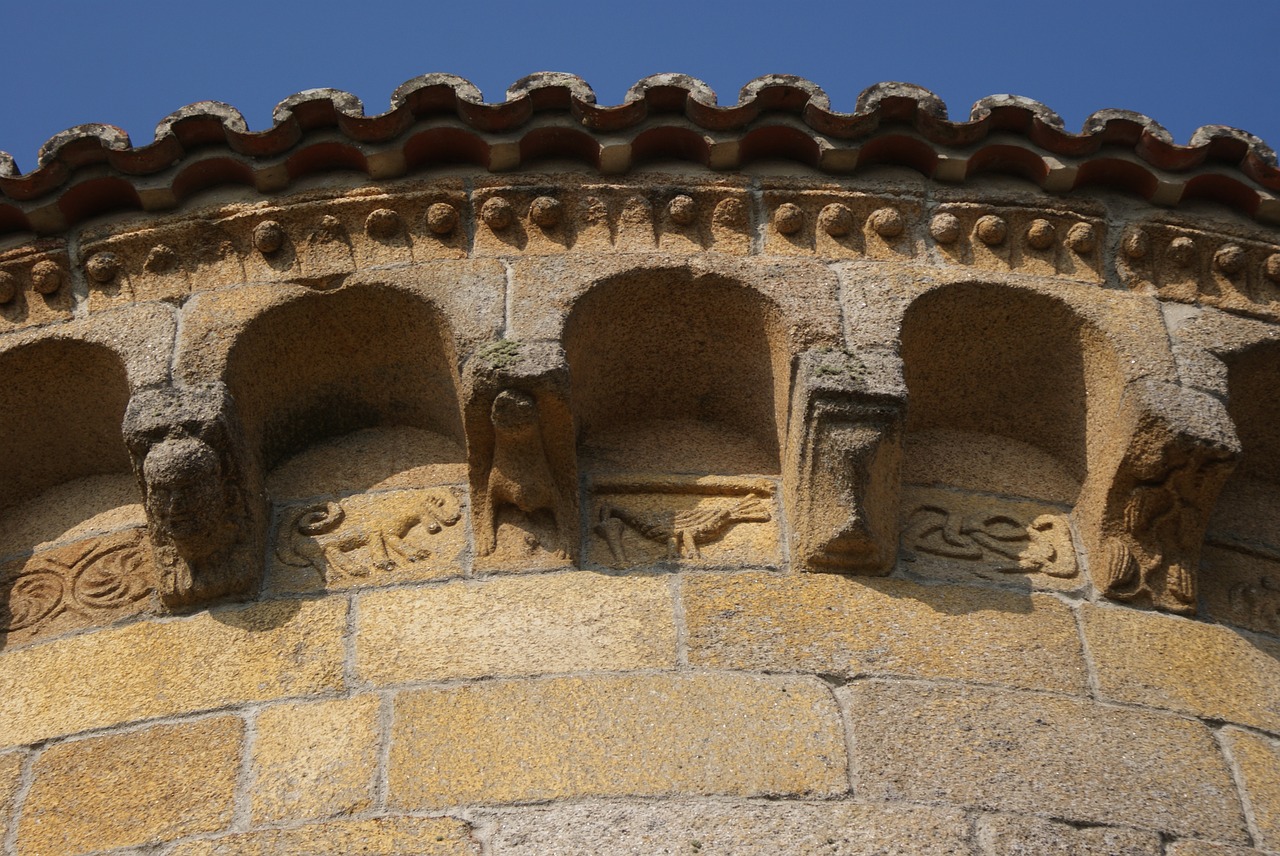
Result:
{"points": [[442, 118]]}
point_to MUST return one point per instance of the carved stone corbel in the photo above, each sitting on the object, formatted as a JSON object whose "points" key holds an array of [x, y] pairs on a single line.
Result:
{"points": [[844, 461], [189, 459], [520, 446], [1146, 503]]}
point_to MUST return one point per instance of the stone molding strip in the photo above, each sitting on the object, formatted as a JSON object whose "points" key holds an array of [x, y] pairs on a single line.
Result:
{"points": [[438, 118]]}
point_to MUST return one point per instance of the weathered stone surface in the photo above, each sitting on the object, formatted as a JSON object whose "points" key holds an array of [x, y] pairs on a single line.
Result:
{"points": [[732, 829], [690, 521], [1204, 848], [159, 668], [1257, 759], [849, 627], [10, 783], [314, 760], [1010, 835], [383, 836], [515, 626], [130, 789], [1206, 670], [642, 735], [955, 535], [981, 747], [369, 539]]}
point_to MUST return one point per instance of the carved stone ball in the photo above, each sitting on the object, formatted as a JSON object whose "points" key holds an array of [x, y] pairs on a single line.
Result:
{"points": [[788, 219], [496, 213], [1081, 238], [1182, 251], [102, 267], [382, 223], [1136, 245], [8, 287], [991, 230], [888, 222], [836, 220], [1040, 234], [1271, 267], [682, 210], [161, 259], [46, 277], [546, 212], [268, 237], [442, 218], [730, 213], [945, 228], [1229, 259]]}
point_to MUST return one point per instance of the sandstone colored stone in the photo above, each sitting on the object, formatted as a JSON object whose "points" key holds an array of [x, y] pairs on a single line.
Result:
{"points": [[639, 735], [1204, 848], [1206, 670], [10, 784], [1010, 835], [224, 656], [1092, 764], [732, 829], [315, 760], [131, 789], [853, 626], [953, 535], [515, 626], [1257, 759], [382, 836], [371, 539]]}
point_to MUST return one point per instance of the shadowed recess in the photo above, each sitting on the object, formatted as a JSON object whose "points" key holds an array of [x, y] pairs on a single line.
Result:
{"points": [[997, 379], [678, 374], [326, 364], [66, 469]]}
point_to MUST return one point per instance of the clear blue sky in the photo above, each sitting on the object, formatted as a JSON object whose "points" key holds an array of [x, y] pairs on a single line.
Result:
{"points": [[131, 63]]}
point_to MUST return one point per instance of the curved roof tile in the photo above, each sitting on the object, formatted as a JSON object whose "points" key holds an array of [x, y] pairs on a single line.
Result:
{"points": [[443, 118]]}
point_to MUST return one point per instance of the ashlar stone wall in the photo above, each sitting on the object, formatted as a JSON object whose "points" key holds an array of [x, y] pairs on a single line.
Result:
{"points": [[674, 513]]}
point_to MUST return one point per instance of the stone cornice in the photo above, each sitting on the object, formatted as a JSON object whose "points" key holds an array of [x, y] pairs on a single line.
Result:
{"points": [[440, 119]]}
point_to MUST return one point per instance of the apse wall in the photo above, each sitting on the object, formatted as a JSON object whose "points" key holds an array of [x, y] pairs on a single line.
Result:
{"points": [[642, 505]]}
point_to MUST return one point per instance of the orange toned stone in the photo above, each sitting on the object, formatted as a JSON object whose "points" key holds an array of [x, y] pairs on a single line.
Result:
{"points": [[1257, 758], [382, 836], [315, 760], [641, 735], [856, 626], [1010, 835], [10, 783], [515, 626], [732, 829], [1205, 670], [132, 789], [160, 668], [1092, 764]]}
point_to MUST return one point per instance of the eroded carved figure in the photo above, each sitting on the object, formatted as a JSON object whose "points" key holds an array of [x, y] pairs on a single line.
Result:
{"points": [[184, 445], [361, 534], [681, 531], [520, 438], [844, 473], [1157, 504]]}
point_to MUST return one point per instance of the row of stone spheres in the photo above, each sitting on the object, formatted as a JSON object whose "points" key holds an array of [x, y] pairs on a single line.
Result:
{"points": [[540, 477]]}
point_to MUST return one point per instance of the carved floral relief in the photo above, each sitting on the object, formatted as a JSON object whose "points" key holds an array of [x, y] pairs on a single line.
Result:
{"points": [[87, 583]]}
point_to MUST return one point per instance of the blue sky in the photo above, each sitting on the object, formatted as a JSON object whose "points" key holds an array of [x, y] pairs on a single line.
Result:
{"points": [[129, 64]]}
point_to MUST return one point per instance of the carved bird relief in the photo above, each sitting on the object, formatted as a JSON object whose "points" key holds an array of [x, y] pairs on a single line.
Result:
{"points": [[682, 531]]}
